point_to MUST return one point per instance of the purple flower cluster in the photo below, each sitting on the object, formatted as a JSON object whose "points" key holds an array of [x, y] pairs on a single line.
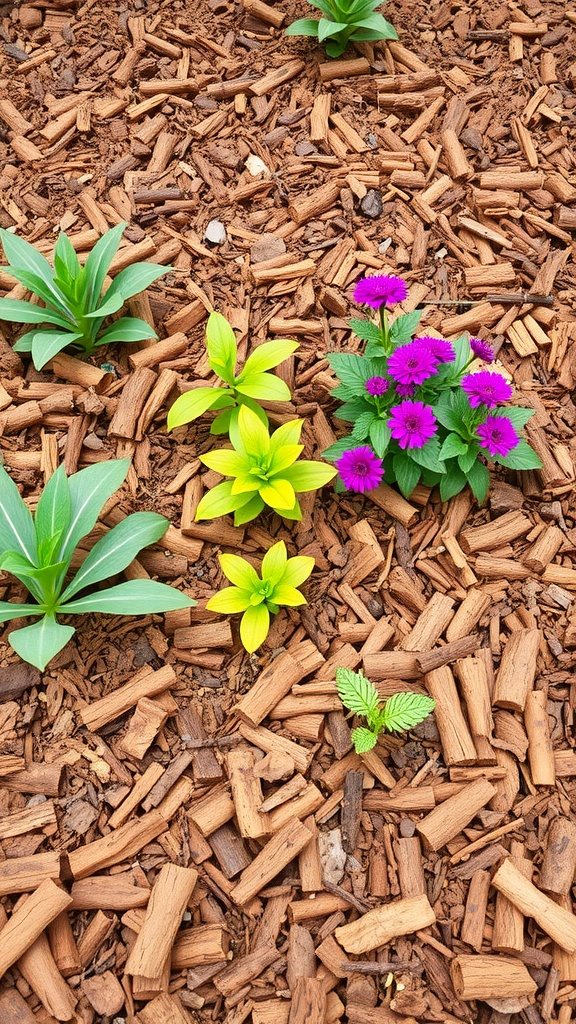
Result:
{"points": [[380, 290], [442, 350], [412, 364], [376, 385], [412, 424], [361, 470], [497, 435], [486, 388], [482, 350]]}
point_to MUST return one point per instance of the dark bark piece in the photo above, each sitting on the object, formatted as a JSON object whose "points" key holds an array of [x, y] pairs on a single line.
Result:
{"points": [[351, 810]]}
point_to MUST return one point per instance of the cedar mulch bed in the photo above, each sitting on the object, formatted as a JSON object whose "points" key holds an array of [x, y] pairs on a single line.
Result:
{"points": [[156, 771]]}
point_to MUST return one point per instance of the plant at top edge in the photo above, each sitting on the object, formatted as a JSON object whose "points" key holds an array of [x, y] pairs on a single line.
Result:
{"points": [[38, 551], [251, 386], [420, 410], [74, 307], [258, 597], [344, 21], [264, 471], [401, 711]]}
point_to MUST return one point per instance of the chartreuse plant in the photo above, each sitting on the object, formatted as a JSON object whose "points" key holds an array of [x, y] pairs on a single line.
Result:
{"points": [[264, 471], [401, 711], [420, 410], [74, 306], [344, 21], [258, 597], [39, 550], [249, 387]]}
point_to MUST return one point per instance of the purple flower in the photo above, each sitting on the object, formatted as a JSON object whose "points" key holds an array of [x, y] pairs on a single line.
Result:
{"points": [[360, 469], [440, 349], [381, 290], [412, 424], [486, 388], [405, 390], [498, 435], [412, 363], [482, 350], [376, 385]]}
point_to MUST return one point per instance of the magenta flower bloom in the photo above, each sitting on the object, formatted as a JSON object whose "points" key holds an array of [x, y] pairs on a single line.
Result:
{"points": [[405, 390], [412, 424], [376, 385], [498, 435], [412, 364], [381, 290], [360, 469], [440, 349], [482, 350], [486, 388]]}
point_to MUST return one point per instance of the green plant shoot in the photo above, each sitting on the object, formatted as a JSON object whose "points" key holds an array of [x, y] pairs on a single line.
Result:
{"points": [[258, 597], [251, 386], [264, 471], [401, 710], [74, 306], [39, 550], [344, 21]]}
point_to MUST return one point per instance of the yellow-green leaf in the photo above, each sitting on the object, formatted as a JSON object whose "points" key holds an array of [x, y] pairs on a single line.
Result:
{"points": [[254, 627]]}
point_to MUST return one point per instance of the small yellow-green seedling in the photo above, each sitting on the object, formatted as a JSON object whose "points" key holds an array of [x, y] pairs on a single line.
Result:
{"points": [[264, 469], [344, 21], [258, 597], [252, 385], [74, 306], [401, 711]]}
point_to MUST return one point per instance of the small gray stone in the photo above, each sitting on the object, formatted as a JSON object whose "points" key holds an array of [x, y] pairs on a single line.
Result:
{"points": [[304, 149], [215, 233], [371, 205], [267, 247], [372, 141], [332, 856]]}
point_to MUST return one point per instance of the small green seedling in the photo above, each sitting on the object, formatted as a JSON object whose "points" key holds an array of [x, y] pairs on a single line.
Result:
{"points": [[74, 307], [401, 710], [39, 551], [264, 469], [344, 21], [251, 386], [259, 597]]}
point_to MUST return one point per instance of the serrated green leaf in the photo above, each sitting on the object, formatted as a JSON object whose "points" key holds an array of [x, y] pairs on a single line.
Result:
{"points": [[363, 739], [356, 692], [405, 710], [366, 330]]}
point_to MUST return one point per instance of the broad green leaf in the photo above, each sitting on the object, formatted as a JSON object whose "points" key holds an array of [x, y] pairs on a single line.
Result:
{"points": [[265, 387], [16, 524], [336, 49], [377, 26], [105, 307], [254, 437], [278, 493], [48, 292], [222, 347], [451, 446], [329, 28], [127, 329], [517, 415], [44, 584], [479, 480], [246, 483], [116, 549], [404, 327], [96, 266], [136, 597], [135, 279], [362, 426], [20, 567], [9, 610], [453, 482], [19, 312], [39, 643], [380, 437], [66, 263], [407, 473], [220, 501], [337, 450], [363, 739], [246, 513], [287, 434], [303, 27], [226, 461], [266, 356], [192, 404], [356, 692], [405, 710], [89, 490], [468, 458], [284, 457], [229, 601], [366, 330], [274, 563], [297, 570], [254, 627], [31, 268], [428, 456], [47, 344], [289, 596], [240, 572], [308, 476]]}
